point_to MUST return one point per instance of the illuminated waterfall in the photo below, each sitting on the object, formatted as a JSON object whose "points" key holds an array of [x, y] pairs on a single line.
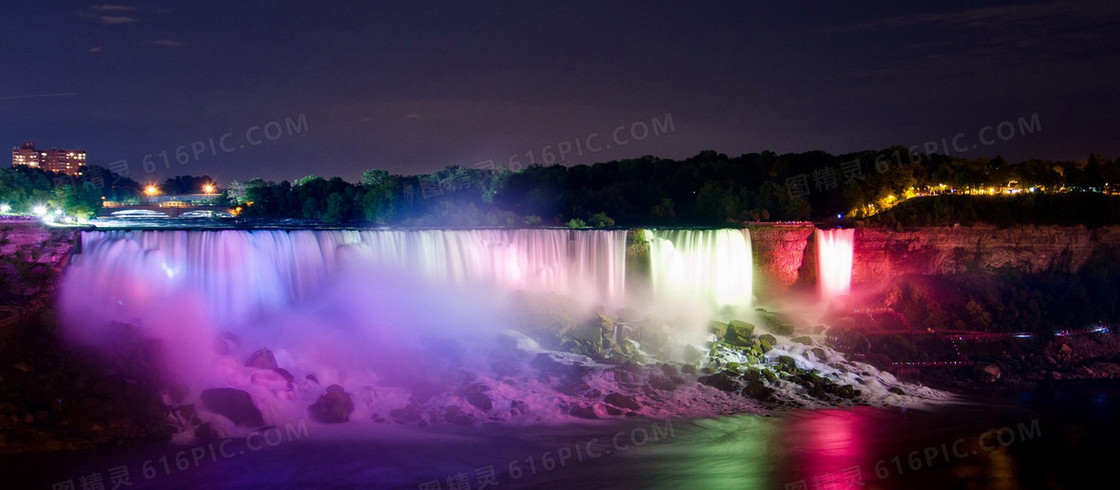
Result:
{"points": [[240, 272], [834, 261], [712, 266]]}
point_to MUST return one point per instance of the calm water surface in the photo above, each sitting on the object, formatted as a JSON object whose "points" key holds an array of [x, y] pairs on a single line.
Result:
{"points": [[1060, 437]]}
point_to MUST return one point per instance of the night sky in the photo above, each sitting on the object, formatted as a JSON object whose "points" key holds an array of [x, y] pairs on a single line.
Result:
{"points": [[414, 86]]}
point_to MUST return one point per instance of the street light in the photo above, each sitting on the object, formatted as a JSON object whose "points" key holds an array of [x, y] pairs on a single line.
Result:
{"points": [[208, 189], [151, 190]]}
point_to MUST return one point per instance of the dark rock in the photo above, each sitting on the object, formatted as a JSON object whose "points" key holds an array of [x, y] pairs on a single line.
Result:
{"points": [[407, 415], [688, 369], [233, 404], [622, 401], [721, 381], [186, 415], [334, 407], [476, 396], [578, 388], [262, 359], [819, 352], [583, 412], [312, 378], [758, 391], [818, 392], [206, 432], [670, 370], [518, 407], [662, 383], [896, 390], [548, 365], [285, 374], [454, 415], [752, 375], [623, 376], [177, 393], [805, 340]]}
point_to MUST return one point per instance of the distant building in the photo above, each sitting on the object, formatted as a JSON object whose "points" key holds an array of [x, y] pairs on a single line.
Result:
{"points": [[52, 160]]}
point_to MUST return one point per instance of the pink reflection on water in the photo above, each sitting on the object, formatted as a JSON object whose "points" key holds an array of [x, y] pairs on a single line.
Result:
{"points": [[832, 446]]}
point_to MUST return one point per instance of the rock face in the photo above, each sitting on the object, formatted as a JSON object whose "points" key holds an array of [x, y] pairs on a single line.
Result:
{"points": [[883, 254], [233, 404], [785, 254], [334, 407]]}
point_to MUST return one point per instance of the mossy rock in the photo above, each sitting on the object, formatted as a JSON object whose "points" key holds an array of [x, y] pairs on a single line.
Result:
{"points": [[770, 339], [769, 375], [819, 352], [783, 329], [738, 333], [804, 340], [787, 362], [717, 328]]}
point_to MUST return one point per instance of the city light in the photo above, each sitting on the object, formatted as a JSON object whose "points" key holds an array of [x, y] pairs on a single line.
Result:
{"points": [[208, 189], [39, 210], [5, 207], [151, 190]]}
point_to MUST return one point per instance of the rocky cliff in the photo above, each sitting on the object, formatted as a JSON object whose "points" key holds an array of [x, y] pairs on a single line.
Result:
{"points": [[785, 255]]}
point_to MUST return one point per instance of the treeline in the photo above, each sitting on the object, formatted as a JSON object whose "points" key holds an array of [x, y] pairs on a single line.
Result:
{"points": [[24, 190], [709, 189], [1090, 209]]}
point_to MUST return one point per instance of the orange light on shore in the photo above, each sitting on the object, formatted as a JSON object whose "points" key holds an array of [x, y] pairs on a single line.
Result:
{"points": [[151, 190], [208, 189]]}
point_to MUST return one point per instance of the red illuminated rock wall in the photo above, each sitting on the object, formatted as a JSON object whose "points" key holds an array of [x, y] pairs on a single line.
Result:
{"points": [[785, 254]]}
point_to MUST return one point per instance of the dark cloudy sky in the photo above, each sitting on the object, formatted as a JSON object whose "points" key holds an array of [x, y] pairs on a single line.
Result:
{"points": [[414, 86]]}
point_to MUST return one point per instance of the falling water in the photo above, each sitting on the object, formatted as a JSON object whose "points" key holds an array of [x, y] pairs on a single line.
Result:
{"points": [[834, 261], [711, 266], [239, 272]]}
